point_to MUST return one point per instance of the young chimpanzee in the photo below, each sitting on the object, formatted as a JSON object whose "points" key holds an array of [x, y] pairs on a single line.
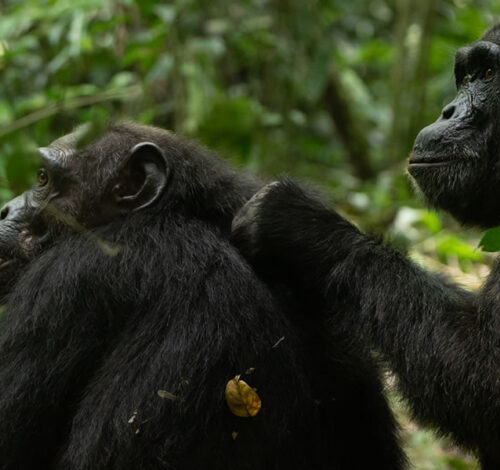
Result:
{"points": [[441, 341], [128, 311]]}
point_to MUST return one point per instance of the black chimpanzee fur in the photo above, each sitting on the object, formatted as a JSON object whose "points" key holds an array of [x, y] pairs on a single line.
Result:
{"points": [[122, 283], [442, 342]]}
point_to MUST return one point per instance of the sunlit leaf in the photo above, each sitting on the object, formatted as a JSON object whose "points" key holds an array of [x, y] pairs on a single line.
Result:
{"points": [[242, 399]]}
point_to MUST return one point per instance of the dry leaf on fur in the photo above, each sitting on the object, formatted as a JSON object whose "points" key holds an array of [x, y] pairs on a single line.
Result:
{"points": [[242, 399]]}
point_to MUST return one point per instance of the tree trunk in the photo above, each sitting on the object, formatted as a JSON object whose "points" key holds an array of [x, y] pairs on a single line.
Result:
{"points": [[352, 135], [409, 74]]}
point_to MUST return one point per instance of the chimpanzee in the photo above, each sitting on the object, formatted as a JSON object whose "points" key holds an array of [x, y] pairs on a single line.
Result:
{"points": [[442, 342], [128, 311]]}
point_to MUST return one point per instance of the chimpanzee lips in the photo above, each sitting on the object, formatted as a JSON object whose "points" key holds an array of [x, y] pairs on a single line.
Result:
{"points": [[419, 161]]}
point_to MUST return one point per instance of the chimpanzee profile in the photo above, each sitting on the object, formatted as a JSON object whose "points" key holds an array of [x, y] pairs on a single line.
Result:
{"points": [[128, 311], [442, 342]]}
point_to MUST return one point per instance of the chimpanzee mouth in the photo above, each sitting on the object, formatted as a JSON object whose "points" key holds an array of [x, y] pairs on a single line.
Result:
{"points": [[418, 161]]}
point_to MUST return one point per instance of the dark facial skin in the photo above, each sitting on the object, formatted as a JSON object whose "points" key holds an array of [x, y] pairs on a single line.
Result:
{"points": [[62, 202], [459, 153], [22, 230], [16, 243]]}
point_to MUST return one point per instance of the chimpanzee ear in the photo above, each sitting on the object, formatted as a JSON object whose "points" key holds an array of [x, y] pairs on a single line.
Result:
{"points": [[143, 178]]}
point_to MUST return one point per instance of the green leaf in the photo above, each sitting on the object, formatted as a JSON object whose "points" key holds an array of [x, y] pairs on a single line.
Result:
{"points": [[431, 221], [458, 464], [453, 246], [491, 240]]}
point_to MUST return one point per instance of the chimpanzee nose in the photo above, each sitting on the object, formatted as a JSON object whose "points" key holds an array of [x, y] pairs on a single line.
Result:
{"points": [[449, 111], [4, 212], [13, 209]]}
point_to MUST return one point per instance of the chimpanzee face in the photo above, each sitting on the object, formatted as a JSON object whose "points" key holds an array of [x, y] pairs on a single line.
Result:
{"points": [[456, 160], [78, 189]]}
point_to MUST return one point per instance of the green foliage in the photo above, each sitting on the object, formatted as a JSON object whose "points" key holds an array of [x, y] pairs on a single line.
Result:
{"points": [[245, 77], [451, 246], [491, 240], [431, 221]]}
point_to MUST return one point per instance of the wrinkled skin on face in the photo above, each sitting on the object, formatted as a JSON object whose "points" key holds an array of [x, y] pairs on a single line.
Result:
{"points": [[77, 192], [16, 242], [456, 160]]}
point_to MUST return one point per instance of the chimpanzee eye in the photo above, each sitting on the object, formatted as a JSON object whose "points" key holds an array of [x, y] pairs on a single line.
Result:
{"points": [[42, 177], [490, 73], [465, 80]]}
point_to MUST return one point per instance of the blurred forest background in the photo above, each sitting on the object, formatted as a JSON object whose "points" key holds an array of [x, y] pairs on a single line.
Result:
{"points": [[332, 91]]}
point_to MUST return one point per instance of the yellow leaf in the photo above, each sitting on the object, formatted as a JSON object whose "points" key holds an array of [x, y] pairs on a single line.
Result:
{"points": [[242, 399]]}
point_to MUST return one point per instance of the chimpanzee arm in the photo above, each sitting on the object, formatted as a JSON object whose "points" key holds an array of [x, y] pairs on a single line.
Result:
{"points": [[442, 342]]}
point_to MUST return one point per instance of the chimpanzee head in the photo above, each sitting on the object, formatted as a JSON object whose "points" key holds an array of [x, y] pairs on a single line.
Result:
{"points": [[129, 169], [79, 189], [456, 160]]}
